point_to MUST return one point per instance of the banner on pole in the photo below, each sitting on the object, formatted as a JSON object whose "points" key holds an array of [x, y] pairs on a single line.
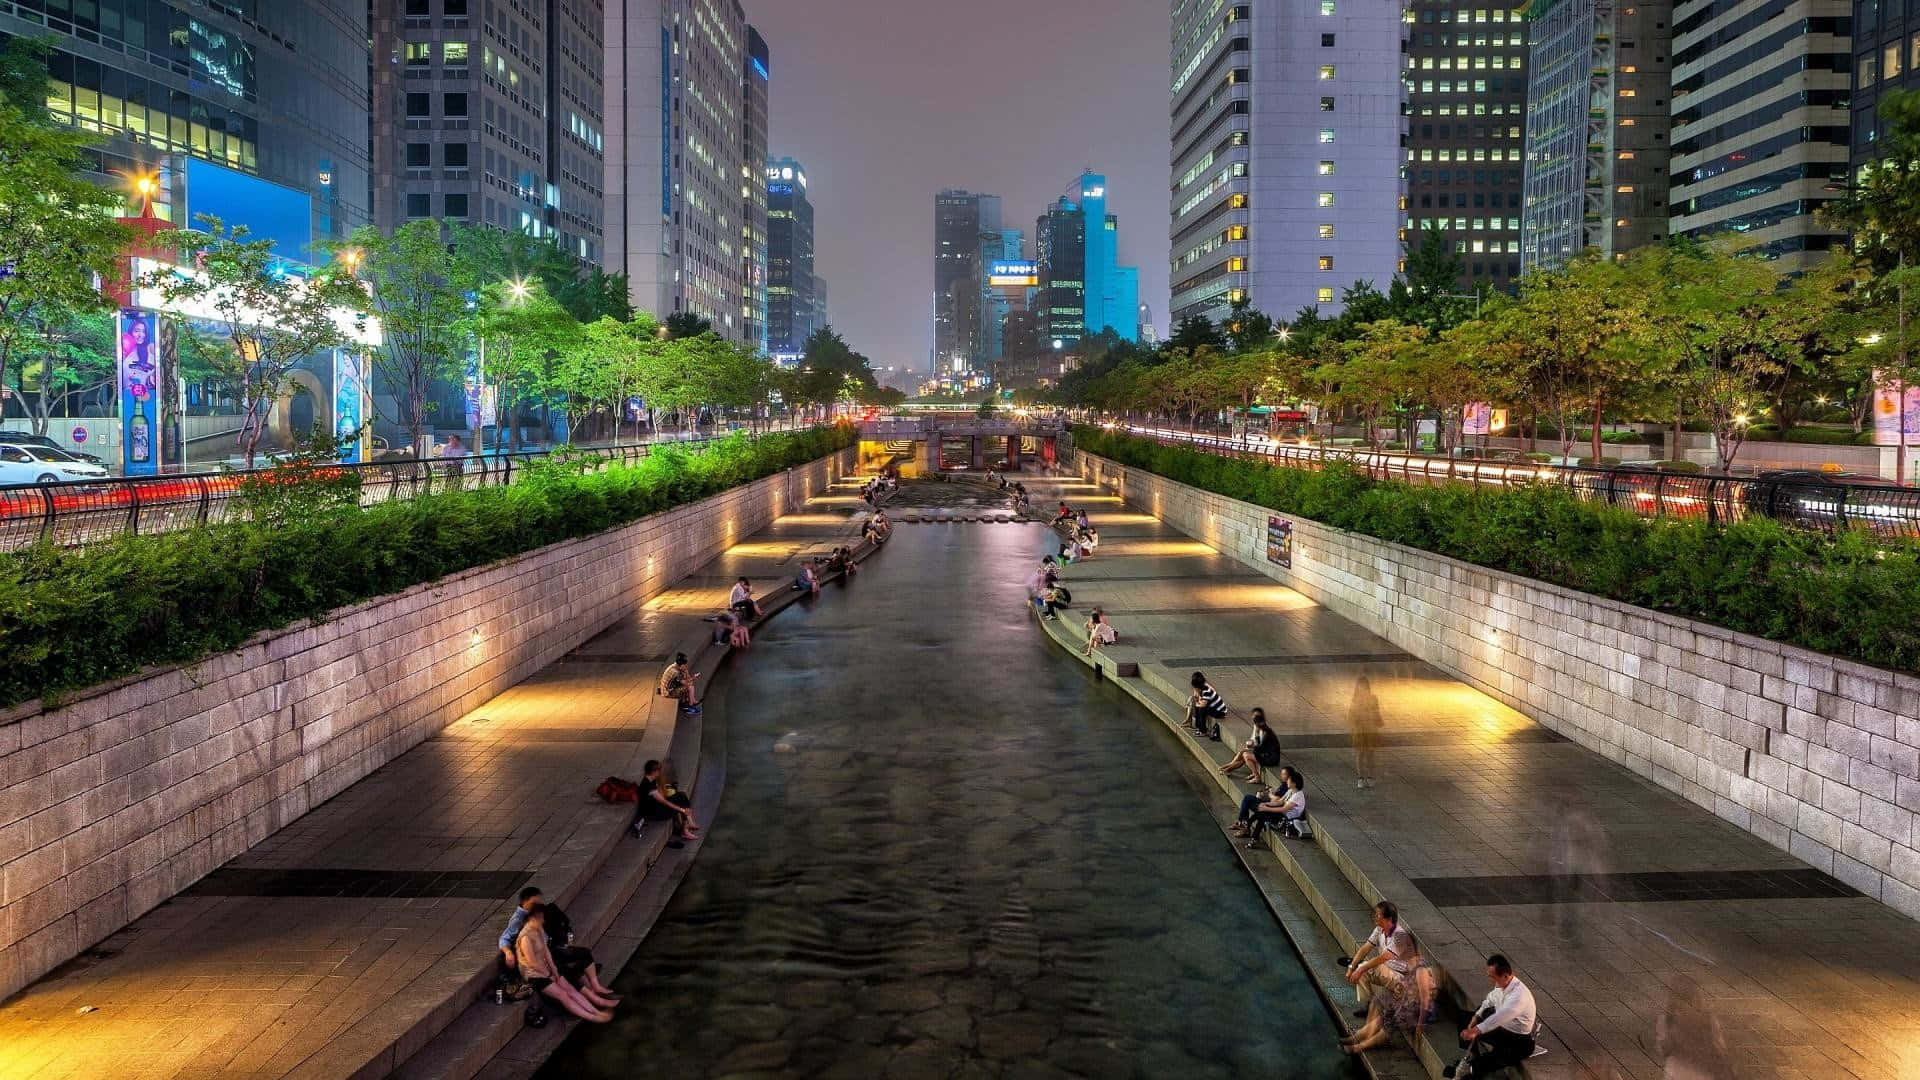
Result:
{"points": [[140, 389], [350, 405]]}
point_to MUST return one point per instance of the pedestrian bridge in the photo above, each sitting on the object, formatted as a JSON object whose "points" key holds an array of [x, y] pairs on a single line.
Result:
{"points": [[965, 442]]}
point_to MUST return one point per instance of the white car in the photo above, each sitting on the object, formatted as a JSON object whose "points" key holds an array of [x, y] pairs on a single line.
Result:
{"points": [[21, 464]]}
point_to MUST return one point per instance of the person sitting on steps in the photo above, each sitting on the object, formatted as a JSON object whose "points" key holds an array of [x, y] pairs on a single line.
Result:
{"points": [[1262, 749], [808, 580], [1100, 632], [1205, 708], [576, 962], [658, 802], [678, 682], [1284, 808], [537, 966], [742, 602], [730, 629], [1053, 599]]}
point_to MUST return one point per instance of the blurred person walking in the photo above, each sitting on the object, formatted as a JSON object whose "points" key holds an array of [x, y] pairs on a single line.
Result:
{"points": [[1363, 714]]}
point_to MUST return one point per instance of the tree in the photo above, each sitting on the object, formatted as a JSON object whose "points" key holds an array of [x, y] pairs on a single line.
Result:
{"points": [[1882, 211], [1427, 292], [1567, 331], [1369, 372], [73, 356], [57, 228], [1195, 331], [685, 324], [1247, 326], [417, 285], [523, 329], [265, 318]]}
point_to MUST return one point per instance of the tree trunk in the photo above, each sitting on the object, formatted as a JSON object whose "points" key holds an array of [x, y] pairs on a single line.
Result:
{"points": [[1597, 456]]}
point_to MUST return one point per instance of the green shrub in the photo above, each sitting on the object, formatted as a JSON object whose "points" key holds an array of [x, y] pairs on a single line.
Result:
{"points": [[71, 618], [1825, 436], [1688, 467], [1850, 595], [1623, 438]]}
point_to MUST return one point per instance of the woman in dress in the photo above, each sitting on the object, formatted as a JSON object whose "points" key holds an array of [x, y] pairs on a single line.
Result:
{"points": [[1398, 1008]]}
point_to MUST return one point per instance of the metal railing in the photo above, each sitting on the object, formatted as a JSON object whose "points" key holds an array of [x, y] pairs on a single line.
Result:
{"points": [[80, 512], [1799, 500]]}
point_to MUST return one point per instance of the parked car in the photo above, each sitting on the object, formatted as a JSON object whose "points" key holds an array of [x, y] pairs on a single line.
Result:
{"points": [[27, 438], [1811, 497], [25, 464]]}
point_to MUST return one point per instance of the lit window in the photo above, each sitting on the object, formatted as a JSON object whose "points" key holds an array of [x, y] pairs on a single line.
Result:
{"points": [[454, 53], [1326, 262], [1326, 232], [1236, 265], [419, 53], [1624, 155], [1326, 168], [1326, 198], [1326, 72], [1628, 122], [1325, 295], [1326, 104], [1623, 189], [1913, 57], [1890, 61], [1619, 223], [1238, 232], [1629, 69], [1869, 70], [1326, 135], [1479, 247], [1326, 7], [1238, 201], [1628, 92]]}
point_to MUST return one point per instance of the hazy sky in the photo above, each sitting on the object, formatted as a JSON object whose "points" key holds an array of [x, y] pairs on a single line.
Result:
{"points": [[888, 101]]}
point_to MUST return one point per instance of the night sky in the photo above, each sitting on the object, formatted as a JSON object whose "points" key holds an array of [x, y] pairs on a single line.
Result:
{"points": [[888, 101]]}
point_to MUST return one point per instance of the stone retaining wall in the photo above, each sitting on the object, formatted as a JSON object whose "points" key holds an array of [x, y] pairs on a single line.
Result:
{"points": [[1814, 754], [115, 802]]}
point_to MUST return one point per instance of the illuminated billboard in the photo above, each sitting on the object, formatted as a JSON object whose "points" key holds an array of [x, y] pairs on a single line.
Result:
{"points": [[1013, 273]]}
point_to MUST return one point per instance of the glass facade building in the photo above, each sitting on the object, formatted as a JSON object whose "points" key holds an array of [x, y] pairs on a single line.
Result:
{"points": [[1760, 116], [966, 235], [791, 301], [1596, 133], [1466, 114], [269, 88]]}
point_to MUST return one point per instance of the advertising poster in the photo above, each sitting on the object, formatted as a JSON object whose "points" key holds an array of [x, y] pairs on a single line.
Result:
{"points": [[1280, 542], [1476, 418], [172, 450], [475, 404], [1892, 415], [139, 378], [1427, 436], [1497, 423], [350, 405]]}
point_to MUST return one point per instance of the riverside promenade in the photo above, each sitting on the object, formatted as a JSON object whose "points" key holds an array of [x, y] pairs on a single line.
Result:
{"points": [[346, 941], [1641, 921]]}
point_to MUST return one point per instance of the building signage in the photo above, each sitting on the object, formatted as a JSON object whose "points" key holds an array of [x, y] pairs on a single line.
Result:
{"points": [[1013, 274], [140, 389], [1280, 542]]}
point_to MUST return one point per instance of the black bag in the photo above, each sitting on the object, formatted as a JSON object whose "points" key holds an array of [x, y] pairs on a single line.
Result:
{"points": [[536, 1014]]}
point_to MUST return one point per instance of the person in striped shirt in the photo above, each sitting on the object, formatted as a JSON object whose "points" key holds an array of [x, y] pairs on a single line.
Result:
{"points": [[1205, 708]]}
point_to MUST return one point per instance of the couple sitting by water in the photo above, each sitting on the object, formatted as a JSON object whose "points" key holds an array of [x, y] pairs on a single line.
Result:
{"points": [[1284, 808], [877, 529], [538, 943]]}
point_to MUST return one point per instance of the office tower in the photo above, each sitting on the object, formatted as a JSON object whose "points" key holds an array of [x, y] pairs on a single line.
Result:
{"points": [[1112, 291], [490, 112], [677, 105], [790, 279], [1760, 123], [1286, 152], [200, 92], [1060, 295], [1466, 128], [1886, 55], [966, 231], [820, 314], [1597, 122], [755, 76], [1006, 253]]}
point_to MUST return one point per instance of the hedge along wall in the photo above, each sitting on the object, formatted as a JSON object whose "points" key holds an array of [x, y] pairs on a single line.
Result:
{"points": [[115, 802], [1814, 754]]}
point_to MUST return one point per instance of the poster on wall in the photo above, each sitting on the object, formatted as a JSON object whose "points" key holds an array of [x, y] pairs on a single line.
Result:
{"points": [[350, 426], [1280, 542], [1476, 418], [140, 388], [1894, 412]]}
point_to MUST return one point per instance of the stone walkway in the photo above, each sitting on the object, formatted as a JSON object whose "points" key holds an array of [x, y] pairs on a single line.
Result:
{"points": [[311, 954], [1612, 896]]}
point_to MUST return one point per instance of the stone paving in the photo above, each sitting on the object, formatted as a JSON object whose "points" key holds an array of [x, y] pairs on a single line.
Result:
{"points": [[312, 952], [1611, 895]]}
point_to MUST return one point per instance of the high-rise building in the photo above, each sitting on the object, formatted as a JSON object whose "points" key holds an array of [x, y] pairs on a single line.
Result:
{"points": [[275, 91], [755, 76], [966, 231], [1060, 296], [791, 302], [1596, 131], [1112, 290], [1466, 126], [1286, 152], [490, 112], [1002, 298], [1760, 117], [1886, 55], [678, 176]]}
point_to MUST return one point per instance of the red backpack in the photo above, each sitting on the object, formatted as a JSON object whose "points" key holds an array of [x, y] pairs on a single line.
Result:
{"points": [[615, 790]]}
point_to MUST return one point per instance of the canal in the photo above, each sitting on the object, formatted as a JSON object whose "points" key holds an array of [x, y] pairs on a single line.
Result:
{"points": [[945, 850]]}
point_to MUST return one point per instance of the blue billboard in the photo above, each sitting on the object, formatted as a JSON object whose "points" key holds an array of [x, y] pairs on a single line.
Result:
{"points": [[269, 211]]}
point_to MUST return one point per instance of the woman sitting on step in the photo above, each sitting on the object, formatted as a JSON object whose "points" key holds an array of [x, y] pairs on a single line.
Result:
{"points": [[537, 966]]}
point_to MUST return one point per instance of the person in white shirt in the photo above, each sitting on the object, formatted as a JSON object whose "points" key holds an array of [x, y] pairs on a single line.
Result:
{"points": [[742, 602], [1383, 959], [1501, 1034]]}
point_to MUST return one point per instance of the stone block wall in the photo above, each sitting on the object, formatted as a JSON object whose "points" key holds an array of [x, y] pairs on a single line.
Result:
{"points": [[115, 802], [1814, 754]]}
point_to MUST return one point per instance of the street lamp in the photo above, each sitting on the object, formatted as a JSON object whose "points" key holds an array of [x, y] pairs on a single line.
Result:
{"points": [[518, 289]]}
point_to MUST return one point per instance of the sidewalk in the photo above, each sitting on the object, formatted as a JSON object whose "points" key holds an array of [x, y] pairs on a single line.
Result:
{"points": [[360, 927], [1493, 833]]}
